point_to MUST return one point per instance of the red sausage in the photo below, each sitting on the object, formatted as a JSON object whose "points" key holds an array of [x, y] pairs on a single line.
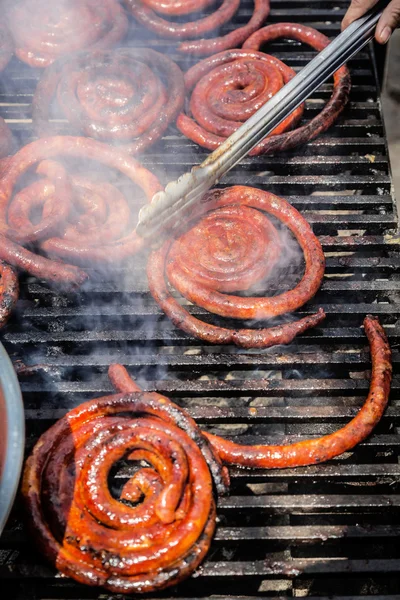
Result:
{"points": [[117, 96], [98, 540], [319, 449], [226, 89], [322, 449], [147, 13], [334, 106], [84, 222], [160, 539], [230, 249], [39, 266], [44, 31]]}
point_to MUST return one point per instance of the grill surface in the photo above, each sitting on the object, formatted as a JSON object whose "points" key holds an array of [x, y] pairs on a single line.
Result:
{"points": [[324, 530]]}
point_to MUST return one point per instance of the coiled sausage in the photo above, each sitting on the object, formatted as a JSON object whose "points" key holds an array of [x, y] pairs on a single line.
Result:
{"points": [[148, 13], [125, 96], [44, 31], [83, 220], [226, 89], [159, 528], [234, 248]]}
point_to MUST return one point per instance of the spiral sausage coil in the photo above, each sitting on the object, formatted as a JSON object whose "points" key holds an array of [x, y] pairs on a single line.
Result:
{"points": [[125, 96], [83, 220], [159, 527], [149, 13], [44, 31], [229, 87], [233, 248]]}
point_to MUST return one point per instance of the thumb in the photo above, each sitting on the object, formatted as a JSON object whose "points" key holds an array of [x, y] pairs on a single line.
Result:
{"points": [[388, 22]]}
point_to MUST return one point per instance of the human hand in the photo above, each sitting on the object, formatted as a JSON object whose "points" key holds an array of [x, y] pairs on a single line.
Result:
{"points": [[388, 22]]}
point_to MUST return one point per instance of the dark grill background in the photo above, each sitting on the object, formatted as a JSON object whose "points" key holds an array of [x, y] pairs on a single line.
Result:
{"points": [[325, 530]]}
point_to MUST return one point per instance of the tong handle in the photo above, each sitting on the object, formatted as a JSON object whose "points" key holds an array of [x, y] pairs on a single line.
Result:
{"points": [[168, 206]]}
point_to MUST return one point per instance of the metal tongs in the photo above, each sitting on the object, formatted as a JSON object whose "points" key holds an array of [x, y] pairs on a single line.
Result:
{"points": [[167, 208]]}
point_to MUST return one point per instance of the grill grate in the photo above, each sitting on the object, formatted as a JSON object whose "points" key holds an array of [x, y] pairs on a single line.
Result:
{"points": [[325, 530]]}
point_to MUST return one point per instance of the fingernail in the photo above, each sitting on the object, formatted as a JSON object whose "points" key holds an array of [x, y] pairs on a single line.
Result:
{"points": [[385, 35]]}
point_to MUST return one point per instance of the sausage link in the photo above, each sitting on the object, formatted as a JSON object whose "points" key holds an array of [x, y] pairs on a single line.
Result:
{"points": [[121, 380], [64, 275], [52, 193], [45, 31], [322, 449], [233, 39], [84, 221], [164, 535], [234, 248], [147, 13], [117, 96], [334, 106], [319, 449], [148, 17], [178, 7], [226, 89], [9, 291], [162, 530]]}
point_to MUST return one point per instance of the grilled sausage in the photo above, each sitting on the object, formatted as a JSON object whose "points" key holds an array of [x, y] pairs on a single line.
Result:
{"points": [[159, 529], [44, 31], [9, 290], [234, 248], [83, 221], [322, 449], [226, 89], [121, 380], [96, 539], [334, 106], [52, 193], [315, 450], [148, 14], [66, 276], [116, 96]]}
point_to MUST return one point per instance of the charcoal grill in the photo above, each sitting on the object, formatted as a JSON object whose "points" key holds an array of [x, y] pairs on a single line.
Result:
{"points": [[327, 530]]}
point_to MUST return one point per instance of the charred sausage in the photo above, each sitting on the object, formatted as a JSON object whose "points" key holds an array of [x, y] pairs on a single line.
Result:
{"points": [[322, 449], [159, 529], [96, 539]]}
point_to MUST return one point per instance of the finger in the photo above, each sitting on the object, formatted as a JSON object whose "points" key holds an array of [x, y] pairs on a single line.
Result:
{"points": [[357, 9], [388, 22]]}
